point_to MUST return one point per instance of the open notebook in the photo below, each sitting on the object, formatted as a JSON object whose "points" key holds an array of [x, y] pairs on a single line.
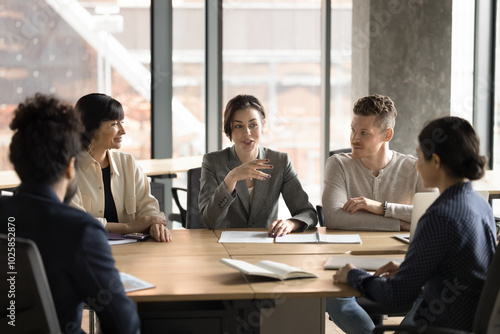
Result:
{"points": [[421, 203]]}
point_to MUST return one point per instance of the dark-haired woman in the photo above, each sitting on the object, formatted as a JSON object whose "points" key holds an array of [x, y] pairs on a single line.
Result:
{"points": [[111, 186], [241, 185], [454, 241]]}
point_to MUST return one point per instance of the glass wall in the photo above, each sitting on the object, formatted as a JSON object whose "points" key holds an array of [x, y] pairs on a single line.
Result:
{"points": [[462, 59], [188, 105], [71, 48], [341, 74], [271, 49]]}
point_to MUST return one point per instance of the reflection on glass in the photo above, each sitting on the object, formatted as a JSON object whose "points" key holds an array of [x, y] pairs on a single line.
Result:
{"points": [[188, 78], [462, 59], [71, 48], [271, 49], [340, 75]]}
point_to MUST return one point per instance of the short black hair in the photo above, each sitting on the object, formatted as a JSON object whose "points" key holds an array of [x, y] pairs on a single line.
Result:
{"points": [[96, 108], [46, 136], [455, 142]]}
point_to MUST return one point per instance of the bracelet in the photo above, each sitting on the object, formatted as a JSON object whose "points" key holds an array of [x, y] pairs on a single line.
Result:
{"points": [[384, 208]]}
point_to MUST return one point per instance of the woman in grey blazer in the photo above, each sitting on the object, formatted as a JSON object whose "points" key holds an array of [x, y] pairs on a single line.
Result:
{"points": [[241, 185]]}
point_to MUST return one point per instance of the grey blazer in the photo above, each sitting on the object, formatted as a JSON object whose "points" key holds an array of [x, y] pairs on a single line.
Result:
{"points": [[219, 209]]}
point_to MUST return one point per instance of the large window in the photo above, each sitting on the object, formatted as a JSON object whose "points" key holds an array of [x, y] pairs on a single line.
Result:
{"points": [[188, 105], [462, 59], [271, 49], [341, 75], [71, 48]]}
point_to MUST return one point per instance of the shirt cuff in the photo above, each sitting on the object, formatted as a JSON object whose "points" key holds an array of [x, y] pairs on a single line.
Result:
{"points": [[355, 278], [103, 221]]}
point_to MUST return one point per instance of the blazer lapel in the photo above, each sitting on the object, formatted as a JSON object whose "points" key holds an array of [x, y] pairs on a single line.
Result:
{"points": [[241, 187], [260, 189]]}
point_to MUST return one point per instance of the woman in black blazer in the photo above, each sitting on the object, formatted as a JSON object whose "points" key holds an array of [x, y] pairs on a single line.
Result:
{"points": [[241, 185]]}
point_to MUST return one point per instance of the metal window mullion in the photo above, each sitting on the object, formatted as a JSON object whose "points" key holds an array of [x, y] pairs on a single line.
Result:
{"points": [[326, 15], [213, 74], [161, 79], [161, 90], [484, 69]]}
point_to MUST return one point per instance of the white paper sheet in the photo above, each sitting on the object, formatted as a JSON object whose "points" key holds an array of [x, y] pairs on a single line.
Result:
{"points": [[245, 237], [121, 242], [312, 238]]}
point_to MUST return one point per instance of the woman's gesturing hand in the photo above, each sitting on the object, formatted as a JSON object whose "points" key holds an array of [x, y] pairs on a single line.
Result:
{"points": [[249, 170]]}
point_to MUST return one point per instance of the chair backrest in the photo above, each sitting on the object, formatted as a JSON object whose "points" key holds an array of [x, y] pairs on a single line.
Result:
{"points": [[321, 216], [487, 318], [342, 150], [319, 208], [193, 191], [28, 286]]}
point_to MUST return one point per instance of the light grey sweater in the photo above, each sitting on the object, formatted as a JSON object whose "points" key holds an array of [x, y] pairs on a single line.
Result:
{"points": [[346, 177]]}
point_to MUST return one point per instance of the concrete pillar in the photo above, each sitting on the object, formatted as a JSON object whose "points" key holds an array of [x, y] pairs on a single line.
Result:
{"points": [[402, 49]]}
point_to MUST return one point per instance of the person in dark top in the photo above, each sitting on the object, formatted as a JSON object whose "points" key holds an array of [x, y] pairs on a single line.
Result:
{"points": [[73, 245], [454, 242]]}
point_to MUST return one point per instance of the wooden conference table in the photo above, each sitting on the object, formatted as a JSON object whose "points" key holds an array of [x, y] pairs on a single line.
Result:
{"points": [[197, 293]]}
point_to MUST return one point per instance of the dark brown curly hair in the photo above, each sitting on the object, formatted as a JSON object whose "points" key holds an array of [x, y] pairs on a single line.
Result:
{"points": [[46, 136], [380, 106]]}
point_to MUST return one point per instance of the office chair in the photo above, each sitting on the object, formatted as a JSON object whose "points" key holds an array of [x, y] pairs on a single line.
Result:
{"points": [[487, 317], [189, 217], [341, 150], [321, 216], [34, 307]]}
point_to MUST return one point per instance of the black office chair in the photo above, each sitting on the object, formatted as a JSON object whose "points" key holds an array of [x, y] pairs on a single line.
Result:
{"points": [[189, 217], [341, 150], [34, 307], [487, 317]]}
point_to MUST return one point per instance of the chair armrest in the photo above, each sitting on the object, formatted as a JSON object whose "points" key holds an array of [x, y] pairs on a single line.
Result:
{"points": [[175, 195]]}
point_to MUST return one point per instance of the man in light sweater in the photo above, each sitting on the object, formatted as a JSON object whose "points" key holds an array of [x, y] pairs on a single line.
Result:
{"points": [[371, 188]]}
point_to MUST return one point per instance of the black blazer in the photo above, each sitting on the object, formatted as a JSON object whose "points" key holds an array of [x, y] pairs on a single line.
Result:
{"points": [[76, 257], [218, 209]]}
